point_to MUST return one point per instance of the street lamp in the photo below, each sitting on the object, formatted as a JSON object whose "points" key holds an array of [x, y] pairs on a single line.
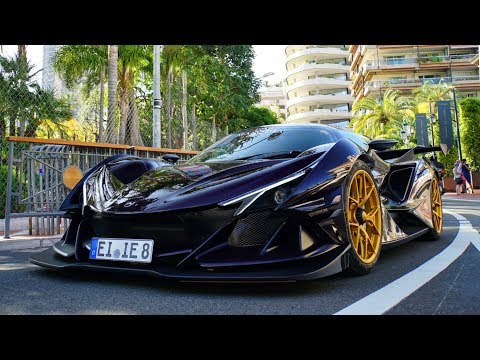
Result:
{"points": [[406, 132]]}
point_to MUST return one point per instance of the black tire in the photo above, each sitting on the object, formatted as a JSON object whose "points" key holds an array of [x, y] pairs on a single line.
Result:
{"points": [[356, 265]]}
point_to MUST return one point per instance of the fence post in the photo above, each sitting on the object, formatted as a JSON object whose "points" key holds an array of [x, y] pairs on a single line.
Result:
{"points": [[8, 206]]}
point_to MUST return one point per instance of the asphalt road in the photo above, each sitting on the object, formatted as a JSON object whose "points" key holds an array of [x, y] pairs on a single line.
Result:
{"points": [[29, 289]]}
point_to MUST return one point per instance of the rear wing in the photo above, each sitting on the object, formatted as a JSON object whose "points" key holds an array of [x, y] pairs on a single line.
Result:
{"points": [[402, 155]]}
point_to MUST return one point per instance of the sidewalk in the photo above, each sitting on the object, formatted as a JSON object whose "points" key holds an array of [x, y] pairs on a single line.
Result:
{"points": [[19, 238], [454, 196], [18, 242]]}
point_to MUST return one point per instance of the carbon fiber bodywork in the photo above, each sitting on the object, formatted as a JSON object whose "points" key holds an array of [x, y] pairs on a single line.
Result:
{"points": [[223, 221]]}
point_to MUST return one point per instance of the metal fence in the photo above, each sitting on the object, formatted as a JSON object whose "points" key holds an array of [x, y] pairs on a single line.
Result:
{"points": [[35, 186], [31, 169]]}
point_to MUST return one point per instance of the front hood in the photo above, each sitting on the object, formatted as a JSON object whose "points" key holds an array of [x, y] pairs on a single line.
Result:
{"points": [[169, 188]]}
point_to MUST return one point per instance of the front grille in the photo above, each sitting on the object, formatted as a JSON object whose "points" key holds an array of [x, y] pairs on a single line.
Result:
{"points": [[171, 232], [255, 229]]}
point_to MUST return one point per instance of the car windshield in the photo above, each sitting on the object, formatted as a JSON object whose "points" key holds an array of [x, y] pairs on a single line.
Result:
{"points": [[264, 142]]}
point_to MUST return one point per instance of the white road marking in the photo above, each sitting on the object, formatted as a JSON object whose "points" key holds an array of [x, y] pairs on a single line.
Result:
{"points": [[390, 295], [476, 242], [464, 200]]}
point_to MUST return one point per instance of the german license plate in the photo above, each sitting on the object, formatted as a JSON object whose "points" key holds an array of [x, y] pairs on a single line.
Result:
{"points": [[117, 249]]}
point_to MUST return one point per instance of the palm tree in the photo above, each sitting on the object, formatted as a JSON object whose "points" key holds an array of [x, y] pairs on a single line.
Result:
{"points": [[22, 99], [431, 93], [88, 62], [374, 117], [76, 62], [132, 60], [112, 91], [172, 62]]}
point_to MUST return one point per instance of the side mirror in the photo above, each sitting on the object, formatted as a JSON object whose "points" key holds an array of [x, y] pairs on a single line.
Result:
{"points": [[171, 158]]}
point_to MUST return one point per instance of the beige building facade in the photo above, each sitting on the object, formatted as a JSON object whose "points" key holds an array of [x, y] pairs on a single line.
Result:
{"points": [[317, 85], [374, 68]]}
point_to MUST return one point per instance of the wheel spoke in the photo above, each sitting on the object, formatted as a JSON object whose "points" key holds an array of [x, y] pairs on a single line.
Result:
{"points": [[355, 233], [365, 236], [367, 196], [362, 181], [355, 191], [374, 227], [358, 246], [353, 200], [358, 189], [436, 203], [368, 240], [365, 188]]}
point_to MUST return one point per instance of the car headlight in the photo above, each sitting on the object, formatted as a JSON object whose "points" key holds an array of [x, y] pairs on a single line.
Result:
{"points": [[273, 194]]}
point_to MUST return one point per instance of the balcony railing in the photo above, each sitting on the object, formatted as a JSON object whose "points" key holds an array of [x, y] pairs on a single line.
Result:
{"points": [[327, 113], [466, 78], [462, 57], [340, 68], [376, 84], [432, 59], [423, 59], [386, 63], [449, 79], [341, 47], [343, 62]]}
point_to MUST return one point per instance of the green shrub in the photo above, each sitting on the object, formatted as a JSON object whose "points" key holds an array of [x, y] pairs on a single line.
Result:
{"points": [[470, 130]]}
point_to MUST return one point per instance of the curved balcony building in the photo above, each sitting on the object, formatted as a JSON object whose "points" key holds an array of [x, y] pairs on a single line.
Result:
{"points": [[317, 85]]}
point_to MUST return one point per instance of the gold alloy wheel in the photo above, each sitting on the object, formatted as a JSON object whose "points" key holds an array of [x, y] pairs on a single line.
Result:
{"points": [[436, 202], [364, 217]]}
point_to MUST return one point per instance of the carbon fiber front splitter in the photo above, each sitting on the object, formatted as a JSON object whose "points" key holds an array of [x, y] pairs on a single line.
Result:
{"points": [[314, 268]]}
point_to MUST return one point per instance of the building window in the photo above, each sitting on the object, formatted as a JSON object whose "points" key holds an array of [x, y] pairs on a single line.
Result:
{"points": [[394, 60]]}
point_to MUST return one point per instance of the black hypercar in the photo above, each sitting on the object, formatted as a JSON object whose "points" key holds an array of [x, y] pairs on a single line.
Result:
{"points": [[278, 202]]}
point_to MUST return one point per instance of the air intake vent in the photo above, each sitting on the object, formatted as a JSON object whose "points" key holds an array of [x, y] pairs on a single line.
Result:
{"points": [[255, 229], [399, 181]]}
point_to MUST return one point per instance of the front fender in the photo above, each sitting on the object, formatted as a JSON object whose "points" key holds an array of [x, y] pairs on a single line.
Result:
{"points": [[328, 172], [72, 201]]}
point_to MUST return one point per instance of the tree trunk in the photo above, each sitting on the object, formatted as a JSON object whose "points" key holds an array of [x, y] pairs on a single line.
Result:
{"points": [[214, 129], [100, 111], [22, 52], [123, 102], [32, 128], [112, 92], [169, 107], [135, 136], [184, 109], [3, 126], [194, 127], [11, 126], [23, 61]]}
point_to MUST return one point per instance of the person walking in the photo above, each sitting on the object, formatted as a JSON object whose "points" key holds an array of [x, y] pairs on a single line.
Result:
{"points": [[457, 176], [467, 177]]}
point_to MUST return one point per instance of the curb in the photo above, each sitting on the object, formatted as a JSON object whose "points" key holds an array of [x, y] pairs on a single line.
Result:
{"points": [[16, 244]]}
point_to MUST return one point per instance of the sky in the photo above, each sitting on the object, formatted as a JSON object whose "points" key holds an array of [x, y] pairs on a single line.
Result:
{"points": [[268, 58], [34, 55]]}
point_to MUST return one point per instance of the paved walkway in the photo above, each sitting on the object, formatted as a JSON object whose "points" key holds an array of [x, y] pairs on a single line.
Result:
{"points": [[454, 196], [19, 238]]}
